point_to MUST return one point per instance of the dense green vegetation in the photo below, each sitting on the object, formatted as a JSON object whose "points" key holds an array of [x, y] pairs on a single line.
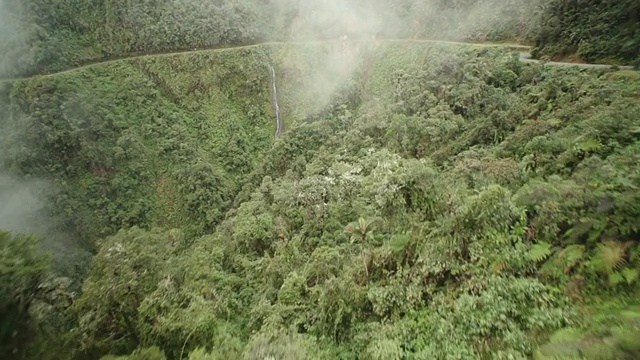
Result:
{"points": [[22, 270], [596, 31], [444, 202], [427, 200], [155, 140], [45, 36], [41, 36]]}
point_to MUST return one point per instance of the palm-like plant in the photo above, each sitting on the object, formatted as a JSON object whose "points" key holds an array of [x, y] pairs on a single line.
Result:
{"points": [[609, 256], [361, 231]]}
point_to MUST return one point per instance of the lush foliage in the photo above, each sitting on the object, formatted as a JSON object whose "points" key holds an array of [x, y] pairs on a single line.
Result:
{"points": [[444, 202], [22, 270], [143, 142], [42, 36], [596, 31], [613, 333], [34, 305]]}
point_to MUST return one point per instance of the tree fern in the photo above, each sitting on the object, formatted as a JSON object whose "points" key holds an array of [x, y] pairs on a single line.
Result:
{"points": [[539, 252], [362, 229], [634, 255], [398, 242], [570, 256], [615, 278], [497, 266], [630, 275], [609, 257]]}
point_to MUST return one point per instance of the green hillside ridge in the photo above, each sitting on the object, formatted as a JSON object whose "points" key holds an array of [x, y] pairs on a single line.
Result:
{"points": [[41, 36], [426, 201], [593, 31], [146, 141]]}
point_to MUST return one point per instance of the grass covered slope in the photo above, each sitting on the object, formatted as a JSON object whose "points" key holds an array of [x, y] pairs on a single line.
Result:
{"points": [[448, 202], [153, 140]]}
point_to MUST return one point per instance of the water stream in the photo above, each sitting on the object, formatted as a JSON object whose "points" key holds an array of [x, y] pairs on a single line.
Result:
{"points": [[274, 102]]}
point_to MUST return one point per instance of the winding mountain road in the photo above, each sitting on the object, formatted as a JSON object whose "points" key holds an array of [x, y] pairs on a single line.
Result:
{"points": [[526, 57], [522, 49]]}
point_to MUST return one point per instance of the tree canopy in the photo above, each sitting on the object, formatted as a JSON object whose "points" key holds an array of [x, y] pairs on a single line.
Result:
{"points": [[426, 200]]}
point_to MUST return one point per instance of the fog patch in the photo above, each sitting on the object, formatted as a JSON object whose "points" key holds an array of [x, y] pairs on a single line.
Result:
{"points": [[16, 54], [329, 19], [21, 204], [351, 29], [26, 203]]}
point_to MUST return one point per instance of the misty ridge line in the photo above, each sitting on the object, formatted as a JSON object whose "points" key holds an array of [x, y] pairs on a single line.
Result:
{"points": [[522, 49], [103, 61]]}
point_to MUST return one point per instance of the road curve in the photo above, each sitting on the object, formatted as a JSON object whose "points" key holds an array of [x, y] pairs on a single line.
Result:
{"points": [[526, 57], [522, 49]]}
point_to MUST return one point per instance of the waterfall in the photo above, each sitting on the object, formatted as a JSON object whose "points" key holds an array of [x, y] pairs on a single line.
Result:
{"points": [[274, 102]]}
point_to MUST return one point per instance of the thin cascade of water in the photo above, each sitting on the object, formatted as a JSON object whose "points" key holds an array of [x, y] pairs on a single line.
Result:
{"points": [[274, 102]]}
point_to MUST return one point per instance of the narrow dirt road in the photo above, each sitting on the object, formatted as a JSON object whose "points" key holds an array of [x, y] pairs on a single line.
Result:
{"points": [[523, 49], [526, 57]]}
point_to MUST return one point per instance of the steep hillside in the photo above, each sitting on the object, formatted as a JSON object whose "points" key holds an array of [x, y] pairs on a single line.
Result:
{"points": [[162, 140], [152, 140], [42, 36], [45, 36], [594, 31], [426, 201]]}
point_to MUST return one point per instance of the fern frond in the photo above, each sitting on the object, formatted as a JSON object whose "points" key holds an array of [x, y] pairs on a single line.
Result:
{"points": [[610, 256], [634, 256], [539, 252], [615, 278], [551, 268], [630, 275], [571, 255], [398, 243], [628, 245], [497, 266]]}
